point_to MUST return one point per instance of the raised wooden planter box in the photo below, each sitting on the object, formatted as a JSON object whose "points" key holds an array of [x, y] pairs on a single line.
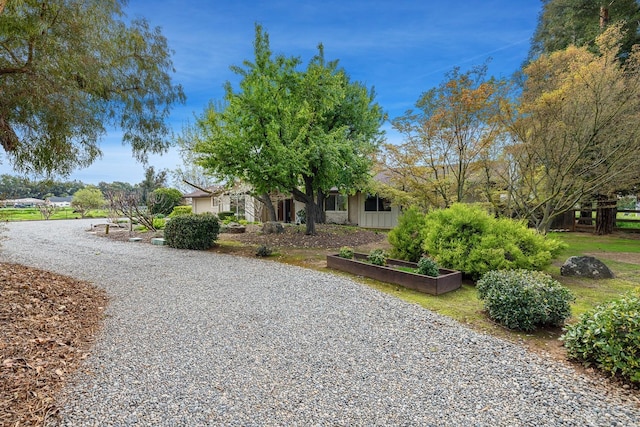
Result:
{"points": [[449, 280]]}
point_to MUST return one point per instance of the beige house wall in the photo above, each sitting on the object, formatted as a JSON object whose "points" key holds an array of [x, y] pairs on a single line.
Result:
{"points": [[201, 205], [337, 217], [381, 219], [355, 213]]}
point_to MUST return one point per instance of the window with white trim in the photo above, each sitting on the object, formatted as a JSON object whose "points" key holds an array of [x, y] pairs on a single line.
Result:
{"points": [[335, 202]]}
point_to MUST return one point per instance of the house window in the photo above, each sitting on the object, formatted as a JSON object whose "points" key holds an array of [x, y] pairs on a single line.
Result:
{"points": [[237, 205], [335, 202], [373, 203]]}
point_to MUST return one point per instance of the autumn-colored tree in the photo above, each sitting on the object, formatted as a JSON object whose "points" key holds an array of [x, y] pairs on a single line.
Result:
{"points": [[575, 128], [447, 143]]}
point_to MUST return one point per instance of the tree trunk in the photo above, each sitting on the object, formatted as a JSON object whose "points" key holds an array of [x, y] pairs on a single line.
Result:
{"points": [[309, 204], [606, 213], [310, 208], [604, 17], [271, 210]]}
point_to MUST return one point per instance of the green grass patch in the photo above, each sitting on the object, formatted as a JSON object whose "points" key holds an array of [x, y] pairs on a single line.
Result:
{"points": [[581, 243], [34, 214]]}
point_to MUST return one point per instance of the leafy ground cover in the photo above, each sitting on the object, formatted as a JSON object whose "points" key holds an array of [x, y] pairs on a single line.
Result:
{"points": [[47, 325]]}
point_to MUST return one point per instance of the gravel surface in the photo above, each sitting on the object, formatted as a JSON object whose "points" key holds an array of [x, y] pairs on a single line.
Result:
{"points": [[196, 338]]}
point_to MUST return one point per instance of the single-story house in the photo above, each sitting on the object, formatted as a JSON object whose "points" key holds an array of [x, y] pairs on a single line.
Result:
{"points": [[22, 203], [60, 202], [218, 199], [361, 209]]}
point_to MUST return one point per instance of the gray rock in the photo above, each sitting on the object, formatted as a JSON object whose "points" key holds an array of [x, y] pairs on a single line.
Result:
{"points": [[586, 266], [235, 228], [272, 227]]}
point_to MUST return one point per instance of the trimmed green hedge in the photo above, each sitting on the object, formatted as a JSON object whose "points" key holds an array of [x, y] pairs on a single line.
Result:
{"points": [[524, 300], [192, 231], [466, 238], [181, 210], [609, 337]]}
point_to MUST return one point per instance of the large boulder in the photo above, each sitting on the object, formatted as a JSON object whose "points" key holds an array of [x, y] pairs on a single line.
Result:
{"points": [[586, 266], [272, 227]]}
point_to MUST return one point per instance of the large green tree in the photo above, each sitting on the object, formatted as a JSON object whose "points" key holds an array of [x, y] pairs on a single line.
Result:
{"points": [[292, 130], [578, 22], [70, 70]]}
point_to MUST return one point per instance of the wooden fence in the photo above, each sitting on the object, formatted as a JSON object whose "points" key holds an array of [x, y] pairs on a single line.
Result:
{"points": [[627, 220]]}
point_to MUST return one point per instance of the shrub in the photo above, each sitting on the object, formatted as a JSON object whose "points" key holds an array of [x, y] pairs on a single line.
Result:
{"points": [[159, 223], [428, 267], [609, 337], [467, 238], [224, 215], [406, 237], [163, 200], [263, 251], [181, 210], [377, 257], [346, 252], [192, 231], [522, 299]]}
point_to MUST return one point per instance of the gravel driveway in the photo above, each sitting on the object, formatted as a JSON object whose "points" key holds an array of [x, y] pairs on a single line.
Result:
{"points": [[195, 338]]}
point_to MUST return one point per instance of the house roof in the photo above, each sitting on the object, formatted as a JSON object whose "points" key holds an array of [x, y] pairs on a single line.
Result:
{"points": [[28, 201], [211, 191], [56, 199]]}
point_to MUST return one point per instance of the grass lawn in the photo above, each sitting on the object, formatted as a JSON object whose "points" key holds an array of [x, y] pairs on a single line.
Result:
{"points": [[33, 214]]}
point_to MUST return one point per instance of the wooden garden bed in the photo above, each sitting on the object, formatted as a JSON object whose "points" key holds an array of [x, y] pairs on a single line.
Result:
{"points": [[448, 280]]}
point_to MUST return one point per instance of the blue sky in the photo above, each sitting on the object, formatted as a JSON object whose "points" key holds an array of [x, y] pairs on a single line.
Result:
{"points": [[401, 47]]}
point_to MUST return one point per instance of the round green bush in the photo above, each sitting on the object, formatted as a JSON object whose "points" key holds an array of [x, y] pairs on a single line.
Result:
{"points": [[428, 267], [406, 237], [231, 216], [377, 257], [181, 210], [192, 231], [609, 337], [523, 299], [466, 238], [346, 252]]}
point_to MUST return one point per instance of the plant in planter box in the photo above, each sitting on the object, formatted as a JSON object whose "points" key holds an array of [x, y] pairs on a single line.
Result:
{"points": [[346, 252], [428, 267], [378, 257]]}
